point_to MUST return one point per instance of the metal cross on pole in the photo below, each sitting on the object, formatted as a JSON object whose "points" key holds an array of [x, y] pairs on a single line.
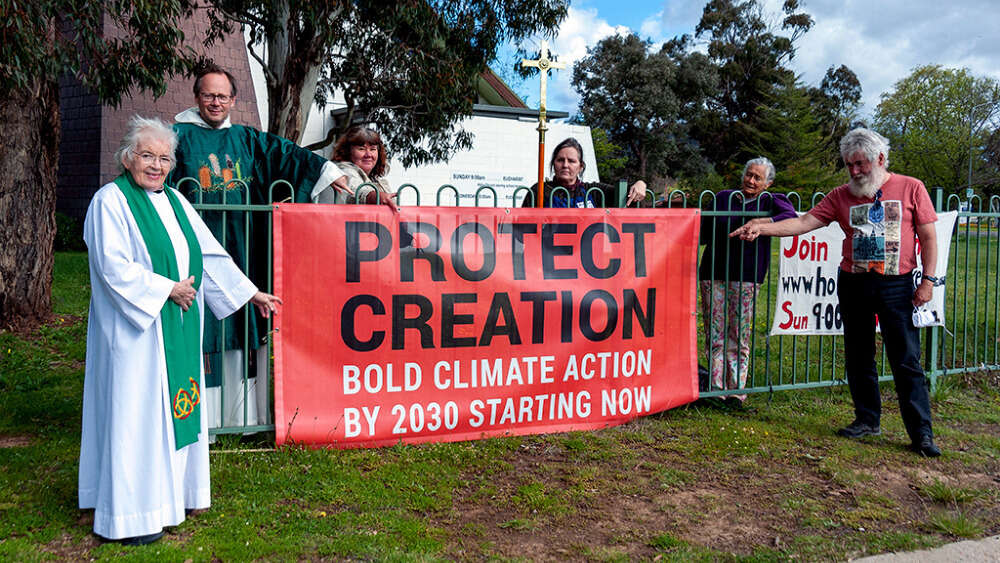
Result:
{"points": [[543, 64]]}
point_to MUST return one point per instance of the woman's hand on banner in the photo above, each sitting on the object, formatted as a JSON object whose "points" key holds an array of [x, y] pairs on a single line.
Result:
{"points": [[636, 192], [340, 184], [265, 303]]}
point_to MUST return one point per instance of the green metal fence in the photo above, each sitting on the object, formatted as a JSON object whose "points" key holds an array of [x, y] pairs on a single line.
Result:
{"points": [[970, 341]]}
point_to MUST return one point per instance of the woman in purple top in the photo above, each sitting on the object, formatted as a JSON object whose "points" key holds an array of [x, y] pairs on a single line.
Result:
{"points": [[731, 272]]}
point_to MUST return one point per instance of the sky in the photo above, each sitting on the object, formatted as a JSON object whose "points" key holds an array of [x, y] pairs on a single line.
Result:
{"points": [[882, 41]]}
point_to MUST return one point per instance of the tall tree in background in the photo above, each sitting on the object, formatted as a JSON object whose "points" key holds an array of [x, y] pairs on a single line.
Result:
{"points": [[791, 131], [611, 160], [986, 177], [927, 120], [410, 67], [751, 53], [645, 102], [836, 103], [112, 47]]}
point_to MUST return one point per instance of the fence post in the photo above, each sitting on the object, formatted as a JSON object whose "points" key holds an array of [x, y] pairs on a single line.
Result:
{"points": [[932, 342], [622, 193]]}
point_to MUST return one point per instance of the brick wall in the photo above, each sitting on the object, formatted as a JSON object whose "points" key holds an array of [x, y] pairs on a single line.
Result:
{"points": [[79, 159], [92, 133]]}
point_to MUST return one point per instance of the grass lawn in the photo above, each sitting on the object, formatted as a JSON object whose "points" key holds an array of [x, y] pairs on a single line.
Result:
{"points": [[694, 483]]}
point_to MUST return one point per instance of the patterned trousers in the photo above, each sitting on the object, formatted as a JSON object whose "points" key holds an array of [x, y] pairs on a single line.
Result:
{"points": [[727, 311]]}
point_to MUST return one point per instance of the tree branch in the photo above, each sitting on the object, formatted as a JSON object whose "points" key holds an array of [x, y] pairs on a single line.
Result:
{"points": [[269, 75], [244, 19], [324, 142]]}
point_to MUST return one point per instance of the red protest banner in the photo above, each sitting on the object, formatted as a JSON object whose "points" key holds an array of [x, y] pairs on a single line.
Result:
{"points": [[446, 324]]}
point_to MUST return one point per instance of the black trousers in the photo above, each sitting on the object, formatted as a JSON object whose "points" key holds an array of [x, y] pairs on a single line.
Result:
{"points": [[862, 296]]}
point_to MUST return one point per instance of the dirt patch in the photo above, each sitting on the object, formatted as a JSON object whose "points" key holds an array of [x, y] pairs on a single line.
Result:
{"points": [[721, 510], [27, 329], [15, 441], [69, 548]]}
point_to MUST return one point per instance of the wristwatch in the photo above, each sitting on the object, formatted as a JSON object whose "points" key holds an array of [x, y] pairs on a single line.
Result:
{"points": [[934, 280]]}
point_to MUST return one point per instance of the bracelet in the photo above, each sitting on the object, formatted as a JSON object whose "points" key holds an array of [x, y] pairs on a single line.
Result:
{"points": [[934, 280]]}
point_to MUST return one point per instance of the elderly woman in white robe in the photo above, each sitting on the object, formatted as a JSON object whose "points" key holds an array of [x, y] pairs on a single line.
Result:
{"points": [[153, 266]]}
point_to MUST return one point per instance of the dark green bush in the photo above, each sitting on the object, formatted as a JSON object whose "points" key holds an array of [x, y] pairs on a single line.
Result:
{"points": [[69, 233]]}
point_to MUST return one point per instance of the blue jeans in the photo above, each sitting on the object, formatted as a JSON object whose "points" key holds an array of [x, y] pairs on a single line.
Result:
{"points": [[862, 296]]}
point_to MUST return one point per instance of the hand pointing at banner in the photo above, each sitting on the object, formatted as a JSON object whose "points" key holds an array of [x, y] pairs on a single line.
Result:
{"points": [[636, 192], [762, 226], [748, 231]]}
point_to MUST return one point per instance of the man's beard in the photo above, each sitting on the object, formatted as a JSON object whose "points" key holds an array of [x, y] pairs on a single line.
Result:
{"points": [[867, 185]]}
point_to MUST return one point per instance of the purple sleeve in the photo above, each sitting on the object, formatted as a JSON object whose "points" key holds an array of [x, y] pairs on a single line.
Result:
{"points": [[782, 208]]}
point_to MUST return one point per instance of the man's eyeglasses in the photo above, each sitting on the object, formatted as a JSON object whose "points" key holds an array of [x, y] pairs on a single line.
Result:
{"points": [[148, 158], [223, 98], [876, 213]]}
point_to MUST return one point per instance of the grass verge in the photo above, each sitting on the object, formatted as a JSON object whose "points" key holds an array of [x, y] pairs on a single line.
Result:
{"points": [[694, 483]]}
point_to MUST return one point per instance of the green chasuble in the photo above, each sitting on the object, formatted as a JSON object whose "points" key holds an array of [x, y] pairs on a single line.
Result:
{"points": [[180, 329], [237, 165]]}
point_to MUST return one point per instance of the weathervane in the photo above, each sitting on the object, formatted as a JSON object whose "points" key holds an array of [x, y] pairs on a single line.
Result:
{"points": [[543, 64]]}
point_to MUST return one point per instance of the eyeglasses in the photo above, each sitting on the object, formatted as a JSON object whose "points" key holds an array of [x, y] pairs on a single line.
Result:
{"points": [[876, 213], [148, 158], [207, 98]]}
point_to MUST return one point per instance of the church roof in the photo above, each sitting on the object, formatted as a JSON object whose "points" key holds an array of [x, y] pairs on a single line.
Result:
{"points": [[495, 92]]}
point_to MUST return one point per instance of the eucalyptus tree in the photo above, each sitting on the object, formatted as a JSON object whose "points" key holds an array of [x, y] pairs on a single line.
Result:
{"points": [[751, 51], [794, 133], [836, 103], [646, 100], [112, 47], [410, 68], [933, 118]]}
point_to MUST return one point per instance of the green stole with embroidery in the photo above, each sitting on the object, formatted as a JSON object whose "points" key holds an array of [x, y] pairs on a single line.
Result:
{"points": [[181, 330]]}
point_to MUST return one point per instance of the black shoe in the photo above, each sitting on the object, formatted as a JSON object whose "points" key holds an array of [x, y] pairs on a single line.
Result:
{"points": [[859, 430], [709, 403], [733, 404], [926, 447], [142, 540]]}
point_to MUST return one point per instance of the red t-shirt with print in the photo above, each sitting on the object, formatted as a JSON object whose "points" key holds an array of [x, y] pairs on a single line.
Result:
{"points": [[880, 232]]}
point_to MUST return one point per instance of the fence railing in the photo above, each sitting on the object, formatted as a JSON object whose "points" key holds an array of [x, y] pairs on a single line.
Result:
{"points": [[970, 340]]}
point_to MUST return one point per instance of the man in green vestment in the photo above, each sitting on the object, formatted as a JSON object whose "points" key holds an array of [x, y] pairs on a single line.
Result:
{"points": [[221, 162]]}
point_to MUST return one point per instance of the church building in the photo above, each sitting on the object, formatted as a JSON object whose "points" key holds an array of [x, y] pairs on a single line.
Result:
{"points": [[504, 155]]}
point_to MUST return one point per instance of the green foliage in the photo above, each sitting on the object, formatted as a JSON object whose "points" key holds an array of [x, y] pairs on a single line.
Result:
{"points": [[72, 296], [750, 53], [670, 478], [940, 491], [69, 233], [406, 67], [927, 120], [40, 380], [788, 131], [113, 48], [534, 498], [655, 488], [146, 49], [611, 161], [957, 524], [645, 102], [677, 113], [835, 104]]}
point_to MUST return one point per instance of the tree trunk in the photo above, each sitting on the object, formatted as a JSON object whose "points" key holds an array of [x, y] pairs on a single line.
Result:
{"points": [[295, 63], [29, 158]]}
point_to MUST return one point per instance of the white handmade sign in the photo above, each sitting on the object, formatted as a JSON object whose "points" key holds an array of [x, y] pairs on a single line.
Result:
{"points": [[807, 300]]}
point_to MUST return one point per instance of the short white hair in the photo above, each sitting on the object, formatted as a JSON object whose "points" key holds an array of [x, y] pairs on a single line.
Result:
{"points": [[867, 142], [761, 161], [141, 129]]}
